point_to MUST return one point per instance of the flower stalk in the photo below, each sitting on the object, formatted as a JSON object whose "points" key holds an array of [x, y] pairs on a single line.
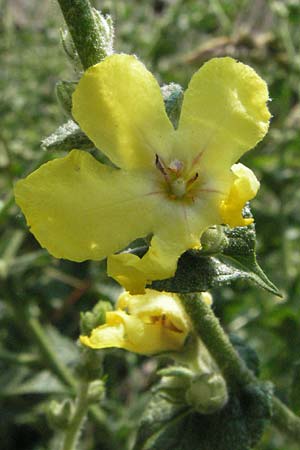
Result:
{"points": [[81, 407], [84, 29], [231, 365]]}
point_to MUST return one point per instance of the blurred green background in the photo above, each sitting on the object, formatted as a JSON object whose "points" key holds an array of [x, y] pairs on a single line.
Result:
{"points": [[173, 38]]}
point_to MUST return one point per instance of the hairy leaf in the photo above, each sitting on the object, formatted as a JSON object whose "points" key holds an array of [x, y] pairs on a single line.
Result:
{"points": [[67, 137], [43, 382], [295, 388], [239, 425], [237, 260]]}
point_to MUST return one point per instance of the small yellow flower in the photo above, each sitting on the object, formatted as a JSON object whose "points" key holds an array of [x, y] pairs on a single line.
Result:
{"points": [[171, 184], [148, 324]]}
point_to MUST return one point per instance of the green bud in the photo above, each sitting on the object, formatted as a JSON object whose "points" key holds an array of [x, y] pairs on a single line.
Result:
{"points": [[96, 391], [207, 393], [213, 240], [70, 50], [173, 97], [174, 383], [280, 8], [64, 91], [59, 415], [106, 31], [89, 367], [92, 319]]}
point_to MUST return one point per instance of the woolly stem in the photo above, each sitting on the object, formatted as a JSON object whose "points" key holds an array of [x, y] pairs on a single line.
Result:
{"points": [[233, 368], [81, 407], [84, 30]]}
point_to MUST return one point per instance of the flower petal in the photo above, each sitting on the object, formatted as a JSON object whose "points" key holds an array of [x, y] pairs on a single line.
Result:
{"points": [[80, 209], [131, 333], [133, 273], [178, 228], [223, 114], [243, 189], [114, 332], [156, 304], [118, 104]]}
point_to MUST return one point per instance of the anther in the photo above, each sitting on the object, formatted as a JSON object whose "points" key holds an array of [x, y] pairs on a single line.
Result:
{"points": [[160, 165], [192, 180]]}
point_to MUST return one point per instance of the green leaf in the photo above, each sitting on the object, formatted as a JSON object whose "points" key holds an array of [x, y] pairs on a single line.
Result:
{"points": [[246, 352], [239, 425], [237, 260], [65, 348], [67, 137], [295, 388], [42, 383]]}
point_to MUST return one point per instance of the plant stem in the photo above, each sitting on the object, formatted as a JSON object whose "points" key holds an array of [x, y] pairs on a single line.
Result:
{"points": [[51, 360], [231, 365], [65, 375], [84, 30], [73, 431], [209, 329], [285, 420], [49, 354]]}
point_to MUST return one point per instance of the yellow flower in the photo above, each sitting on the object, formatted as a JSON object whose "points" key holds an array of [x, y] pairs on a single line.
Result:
{"points": [[171, 184], [148, 324]]}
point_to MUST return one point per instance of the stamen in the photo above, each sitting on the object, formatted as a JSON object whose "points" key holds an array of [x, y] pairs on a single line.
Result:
{"points": [[211, 191], [160, 165], [197, 158], [192, 181]]}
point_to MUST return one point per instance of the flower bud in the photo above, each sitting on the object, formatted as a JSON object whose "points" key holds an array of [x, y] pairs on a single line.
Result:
{"points": [[213, 240], [92, 319], [64, 91], [59, 415], [106, 30], [207, 393], [96, 391], [70, 50], [173, 97]]}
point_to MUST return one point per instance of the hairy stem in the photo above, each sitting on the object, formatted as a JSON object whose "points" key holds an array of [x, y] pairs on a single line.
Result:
{"points": [[285, 420], [209, 329], [84, 30], [81, 407], [49, 354], [231, 365]]}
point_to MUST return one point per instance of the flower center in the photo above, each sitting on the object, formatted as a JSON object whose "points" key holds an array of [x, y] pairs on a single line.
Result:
{"points": [[178, 185]]}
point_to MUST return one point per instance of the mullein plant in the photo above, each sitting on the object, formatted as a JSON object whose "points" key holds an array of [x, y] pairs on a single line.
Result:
{"points": [[171, 175]]}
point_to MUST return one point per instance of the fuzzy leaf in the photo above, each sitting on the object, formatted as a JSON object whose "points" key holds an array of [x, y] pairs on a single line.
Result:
{"points": [[67, 137], [42, 383], [197, 272], [295, 388], [246, 352], [239, 425]]}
